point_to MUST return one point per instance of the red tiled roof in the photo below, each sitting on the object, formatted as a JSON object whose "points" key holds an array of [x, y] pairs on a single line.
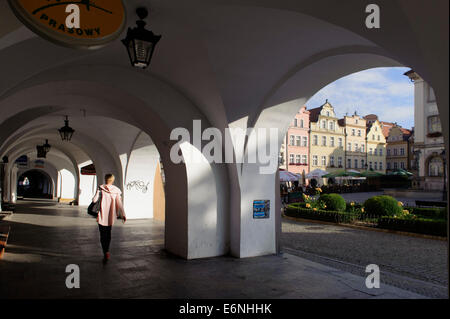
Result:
{"points": [[386, 127]]}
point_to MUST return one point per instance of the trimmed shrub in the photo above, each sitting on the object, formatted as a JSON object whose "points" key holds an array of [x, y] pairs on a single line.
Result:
{"points": [[334, 202], [382, 205], [435, 213], [419, 225], [323, 215]]}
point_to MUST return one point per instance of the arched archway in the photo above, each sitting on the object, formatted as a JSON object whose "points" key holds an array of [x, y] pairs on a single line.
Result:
{"points": [[35, 183]]}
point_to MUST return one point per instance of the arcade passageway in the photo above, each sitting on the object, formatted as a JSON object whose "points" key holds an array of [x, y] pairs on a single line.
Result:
{"points": [[49, 236]]}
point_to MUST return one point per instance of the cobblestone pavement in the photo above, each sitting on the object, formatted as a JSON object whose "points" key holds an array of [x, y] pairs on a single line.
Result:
{"points": [[411, 263]]}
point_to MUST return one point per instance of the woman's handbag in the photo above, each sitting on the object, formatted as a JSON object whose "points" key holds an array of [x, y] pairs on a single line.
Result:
{"points": [[94, 208]]}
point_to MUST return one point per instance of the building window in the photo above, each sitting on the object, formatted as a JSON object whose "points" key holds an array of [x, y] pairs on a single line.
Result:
{"points": [[292, 140], [395, 165], [356, 147], [304, 159], [375, 152], [434, 124], [388, 152], [324, 124], [353, 132], [315, 160], [324, 161], [324, 141], [340, 142], [435, 167], [331, 126], [349, 163], [295, 122], [359, 132], [378, 138], [362, 163], [315, 140], [331, 160], [298, 140], [340, 161], [388, 165], [373, 137], [305, 141], [332, 141], [302, 124], [349, 147], [376, 166], [328, 114], [376, 129], [356, 163], [402, 151], [381, 166], [402, 165], [362, 148], [370, 151], [297, 159], [370, 165], [395, 151], [291, 158], [381, 152]]}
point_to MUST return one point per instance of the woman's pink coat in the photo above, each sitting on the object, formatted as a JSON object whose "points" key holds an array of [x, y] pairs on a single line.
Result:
{"points": [[111, 206]]}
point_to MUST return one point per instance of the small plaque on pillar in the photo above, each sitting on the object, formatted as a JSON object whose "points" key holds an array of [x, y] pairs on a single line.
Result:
{"points": [[261, 209]]}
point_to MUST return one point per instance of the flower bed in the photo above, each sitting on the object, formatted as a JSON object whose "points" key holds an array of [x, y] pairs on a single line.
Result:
{"points": [[428, 221]]}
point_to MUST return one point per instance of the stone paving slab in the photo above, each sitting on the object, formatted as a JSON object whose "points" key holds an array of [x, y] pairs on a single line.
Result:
{"points": [[46, 238]]}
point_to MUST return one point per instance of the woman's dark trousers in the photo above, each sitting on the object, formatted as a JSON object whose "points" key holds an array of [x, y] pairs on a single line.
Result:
{"points": [[105, 237]]}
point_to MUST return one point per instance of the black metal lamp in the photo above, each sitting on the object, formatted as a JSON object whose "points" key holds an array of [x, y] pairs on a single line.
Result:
{"points": [[47, 146], [66, 132], [140, 42]]}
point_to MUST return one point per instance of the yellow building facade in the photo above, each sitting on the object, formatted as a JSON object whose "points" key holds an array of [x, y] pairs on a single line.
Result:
{"points": [[355, 141], [327, 140], [376, 148]]}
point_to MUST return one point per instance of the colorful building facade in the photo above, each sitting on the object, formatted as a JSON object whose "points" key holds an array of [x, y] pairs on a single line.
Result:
{"points": [[327, 137], [398, 149], [376, 147], [296, 145], [355, 141]]}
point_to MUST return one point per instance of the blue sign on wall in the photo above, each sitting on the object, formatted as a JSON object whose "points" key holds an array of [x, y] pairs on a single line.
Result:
{"points": [[261, 209]]}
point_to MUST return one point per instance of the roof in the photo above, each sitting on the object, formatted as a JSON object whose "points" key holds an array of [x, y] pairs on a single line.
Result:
{"points": [[386, 127], [341, 122], [314, 113]]}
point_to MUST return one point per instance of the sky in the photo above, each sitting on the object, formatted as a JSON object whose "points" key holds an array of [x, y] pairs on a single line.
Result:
{"points": [[385, 92]]}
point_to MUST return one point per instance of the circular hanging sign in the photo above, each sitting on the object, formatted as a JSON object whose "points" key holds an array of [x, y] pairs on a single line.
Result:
{"points": [[77, 24]]}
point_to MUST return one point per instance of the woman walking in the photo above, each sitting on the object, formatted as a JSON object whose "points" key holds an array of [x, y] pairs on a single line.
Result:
{"points": [[110, 207]]}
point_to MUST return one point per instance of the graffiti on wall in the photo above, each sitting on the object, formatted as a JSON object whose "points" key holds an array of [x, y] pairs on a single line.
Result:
{"points": [[139, 185]]}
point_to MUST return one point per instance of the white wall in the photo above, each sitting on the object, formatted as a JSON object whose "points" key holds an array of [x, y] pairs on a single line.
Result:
{"points": [[141, 168]]}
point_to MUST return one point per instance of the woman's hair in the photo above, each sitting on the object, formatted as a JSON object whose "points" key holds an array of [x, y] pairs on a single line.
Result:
{"points": [[108, 177]]}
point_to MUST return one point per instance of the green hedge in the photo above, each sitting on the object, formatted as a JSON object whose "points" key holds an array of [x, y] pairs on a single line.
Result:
{"points": [[419, 225], [382, 205], [334, 202], [323, 215], [435, 213]]}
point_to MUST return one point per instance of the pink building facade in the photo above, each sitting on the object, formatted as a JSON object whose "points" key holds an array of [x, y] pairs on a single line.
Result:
{"points": [[297, 143]]}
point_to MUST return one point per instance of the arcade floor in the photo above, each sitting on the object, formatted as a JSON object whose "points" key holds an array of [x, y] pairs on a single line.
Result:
{"points": [[46, 236]]}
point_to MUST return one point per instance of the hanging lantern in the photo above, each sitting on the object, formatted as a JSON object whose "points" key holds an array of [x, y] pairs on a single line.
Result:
{"points": [[140, 42], [41, 151], [66, 131], [47, 146]]}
